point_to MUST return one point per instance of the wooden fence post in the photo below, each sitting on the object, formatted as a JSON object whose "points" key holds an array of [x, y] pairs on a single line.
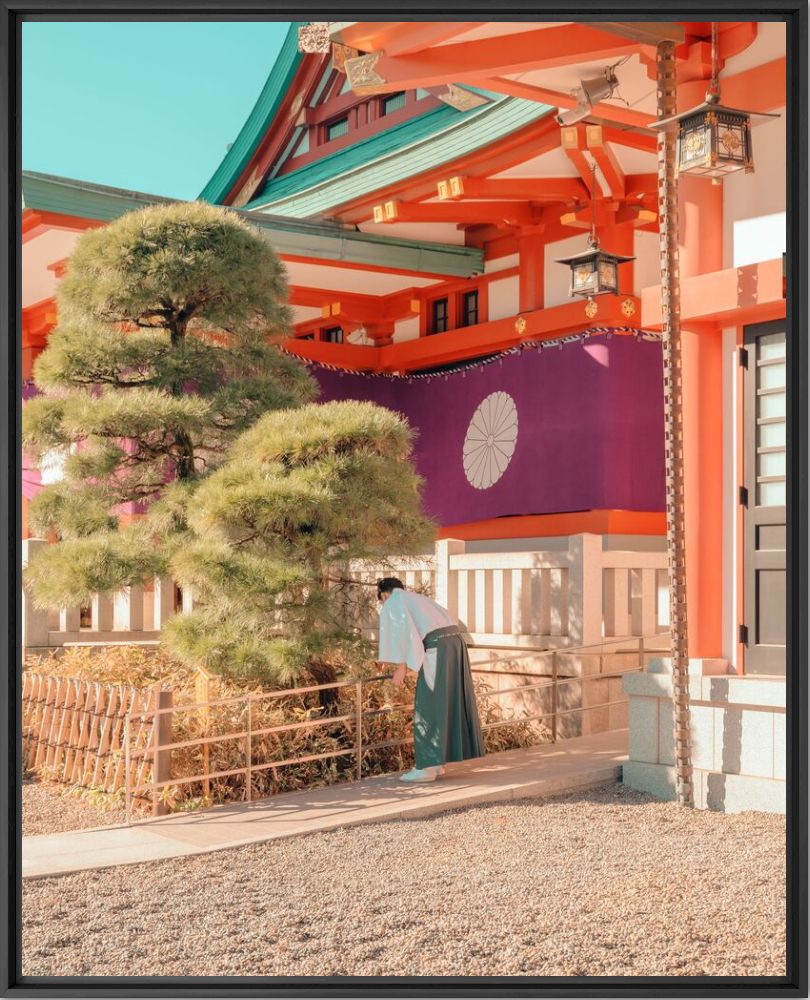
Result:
{"points": [[202, 690], [162, 762]]}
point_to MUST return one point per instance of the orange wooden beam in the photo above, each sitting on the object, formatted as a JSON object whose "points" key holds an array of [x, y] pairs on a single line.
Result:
{"points": [[535, 189], [597, 522], [34, 223], [573, 142], [399, 38], [730, 297], [606, 161], [761, 88], [542, 48], [37, 321], [529, 92], [510, 213], [470, 342]]}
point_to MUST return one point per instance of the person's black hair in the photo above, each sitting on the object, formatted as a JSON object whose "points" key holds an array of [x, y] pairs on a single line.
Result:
{"points": [[387, 585]]}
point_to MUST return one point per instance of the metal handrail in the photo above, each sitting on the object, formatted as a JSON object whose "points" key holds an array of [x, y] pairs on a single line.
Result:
{"points": [[358, 716]]}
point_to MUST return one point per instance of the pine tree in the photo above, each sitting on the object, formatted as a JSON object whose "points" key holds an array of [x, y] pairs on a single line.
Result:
{"points": [[165, 353], [272, 532]]}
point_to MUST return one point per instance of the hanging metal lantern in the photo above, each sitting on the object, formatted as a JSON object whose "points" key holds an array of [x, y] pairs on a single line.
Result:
{"points": [[713, 140], [594, 271]]}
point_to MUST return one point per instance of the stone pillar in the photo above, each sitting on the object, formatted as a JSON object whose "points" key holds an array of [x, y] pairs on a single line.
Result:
{"points": [[585, 589]]}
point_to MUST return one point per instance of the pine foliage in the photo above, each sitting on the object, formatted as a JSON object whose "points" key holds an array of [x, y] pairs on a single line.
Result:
{"points": [[274, 528], [165, 352]]}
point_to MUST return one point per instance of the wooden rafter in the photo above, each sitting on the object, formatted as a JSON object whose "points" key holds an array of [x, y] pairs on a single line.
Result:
{"points": [[606, 160], [542, 48], [558, 99], [398, 38], [644, 32], [574, 144]]}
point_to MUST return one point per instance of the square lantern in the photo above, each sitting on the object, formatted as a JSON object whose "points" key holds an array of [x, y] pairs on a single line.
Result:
{"points": [[713, 140], [594, 271]]}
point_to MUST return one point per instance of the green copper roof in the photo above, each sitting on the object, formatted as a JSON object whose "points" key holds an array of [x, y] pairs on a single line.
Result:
{"points": [[326, 241], [438, 136], [237, 157]]}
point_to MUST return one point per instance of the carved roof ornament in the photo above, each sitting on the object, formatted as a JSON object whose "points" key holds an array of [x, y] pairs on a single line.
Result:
{"points": [[340, 53], [461, 99], [315, 37], [361, 73]]}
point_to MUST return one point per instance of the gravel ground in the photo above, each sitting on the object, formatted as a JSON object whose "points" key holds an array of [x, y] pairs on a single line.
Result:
{"points": [[46, 809], [602, 882]]}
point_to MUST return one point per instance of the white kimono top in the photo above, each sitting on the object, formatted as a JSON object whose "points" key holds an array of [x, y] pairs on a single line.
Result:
{"points": [[405, 619]]}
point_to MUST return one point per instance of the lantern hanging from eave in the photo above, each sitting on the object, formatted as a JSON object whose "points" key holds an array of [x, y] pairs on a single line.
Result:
{"points": [[594, 271], [713, 140]]}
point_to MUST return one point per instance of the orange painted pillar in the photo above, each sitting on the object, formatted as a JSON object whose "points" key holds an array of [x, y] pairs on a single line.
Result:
{"points": [[701, 252], [531, 248]]}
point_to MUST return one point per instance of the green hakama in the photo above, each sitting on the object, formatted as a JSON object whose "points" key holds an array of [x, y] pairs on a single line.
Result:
{"points": [[446, 726]]}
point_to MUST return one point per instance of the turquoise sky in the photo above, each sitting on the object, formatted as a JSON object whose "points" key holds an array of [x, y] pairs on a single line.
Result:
{"points": [[149, 106]]}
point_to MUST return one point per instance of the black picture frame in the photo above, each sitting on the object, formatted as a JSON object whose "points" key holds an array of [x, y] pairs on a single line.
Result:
{"points": [[794, 984]]}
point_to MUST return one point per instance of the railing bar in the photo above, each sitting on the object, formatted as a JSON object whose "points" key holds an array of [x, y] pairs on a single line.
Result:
{"points": [[303, 760], [387, 743], [590, 708]]}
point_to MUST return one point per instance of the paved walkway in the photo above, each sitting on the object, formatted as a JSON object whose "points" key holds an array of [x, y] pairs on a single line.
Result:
{"points": [[540, 771]]}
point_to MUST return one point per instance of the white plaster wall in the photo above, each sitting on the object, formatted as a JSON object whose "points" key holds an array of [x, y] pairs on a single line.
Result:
{"points": [[730, 483], [504, 298], [406, 329], [558, 276], [754, 204], [501, 263], [646, 269]]}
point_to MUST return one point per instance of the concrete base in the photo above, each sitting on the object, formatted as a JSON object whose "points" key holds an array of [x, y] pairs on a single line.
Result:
{"points": [[738, 739], [731, 793]]}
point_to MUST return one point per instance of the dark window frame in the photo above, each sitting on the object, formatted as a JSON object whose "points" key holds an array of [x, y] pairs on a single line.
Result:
{"points": [[470, 317], [384, 110], [439, 324], [328, 126], [332, 335]]}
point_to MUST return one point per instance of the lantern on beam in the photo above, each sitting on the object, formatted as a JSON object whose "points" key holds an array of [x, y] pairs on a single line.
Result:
{"points": [[713, 140], [594, 271]]}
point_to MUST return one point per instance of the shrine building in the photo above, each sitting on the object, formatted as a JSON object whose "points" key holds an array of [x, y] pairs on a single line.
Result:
{"points": [[432, 189]]}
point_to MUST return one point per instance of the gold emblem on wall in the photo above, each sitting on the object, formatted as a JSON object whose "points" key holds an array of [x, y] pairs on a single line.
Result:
{"points": [[520, 325], [629, 307], [591, 308]]}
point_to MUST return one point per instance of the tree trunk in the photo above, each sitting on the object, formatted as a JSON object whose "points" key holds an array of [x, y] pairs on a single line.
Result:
{"points": [[673, 401]]}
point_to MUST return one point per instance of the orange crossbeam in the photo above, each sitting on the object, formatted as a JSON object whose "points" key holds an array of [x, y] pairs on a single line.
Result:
{"points": [[529, 92], [605, 160], [542, 48], [399, 38], [573, 141], [508, 213], [537, 189], [457, 345]]}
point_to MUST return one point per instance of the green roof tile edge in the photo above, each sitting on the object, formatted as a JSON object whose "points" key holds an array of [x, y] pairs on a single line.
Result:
{"points": [[278, 82], [320, 240], [363, 151]]}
